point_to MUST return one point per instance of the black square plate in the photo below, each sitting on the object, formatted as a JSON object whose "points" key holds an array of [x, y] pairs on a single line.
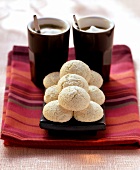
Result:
{"points": [[73, 125]]}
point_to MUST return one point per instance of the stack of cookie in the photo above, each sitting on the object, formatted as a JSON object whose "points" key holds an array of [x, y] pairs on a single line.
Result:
{"points": [[73, 92]]}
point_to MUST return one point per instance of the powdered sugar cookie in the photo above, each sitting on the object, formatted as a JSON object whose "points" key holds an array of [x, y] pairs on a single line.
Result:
{"points": [[72, 80], [96, 95], [96, 79], [74, 98], [51, 79], [54, 112], [92, 113], [76, 67], [51, 93]]}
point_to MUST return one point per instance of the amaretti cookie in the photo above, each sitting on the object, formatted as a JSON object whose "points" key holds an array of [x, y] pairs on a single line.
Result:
{"points": [[51, 93], [54, 112], [74, 98], [51, 79], [96, 95], [72, 80], [76, 67], [96, 79], [92, 113]]}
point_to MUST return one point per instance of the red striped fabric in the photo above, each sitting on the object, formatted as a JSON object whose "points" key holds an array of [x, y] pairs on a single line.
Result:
{"points": [[23, 106]]}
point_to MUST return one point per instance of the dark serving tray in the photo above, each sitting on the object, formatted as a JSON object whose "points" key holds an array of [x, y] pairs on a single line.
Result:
{"points": [[72, 125]]}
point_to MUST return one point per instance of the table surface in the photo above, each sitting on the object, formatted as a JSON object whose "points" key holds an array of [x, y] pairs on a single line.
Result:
{"points": [[13, 31]]}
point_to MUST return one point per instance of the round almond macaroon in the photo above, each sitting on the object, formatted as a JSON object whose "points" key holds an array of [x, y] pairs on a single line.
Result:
{"points": [[76, 67], [96, 79], [72, 80], [54, 112], [51, 79], [96, 95], [92, 113], [74, 98], [51, 93]]}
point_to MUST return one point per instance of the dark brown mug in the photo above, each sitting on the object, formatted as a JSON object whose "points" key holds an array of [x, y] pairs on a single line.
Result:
{"points": [[48, 50], [93, 45]]}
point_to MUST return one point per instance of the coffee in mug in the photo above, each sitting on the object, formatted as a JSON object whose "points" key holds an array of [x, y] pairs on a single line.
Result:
{"points": [[93, 42], [48, 48]]}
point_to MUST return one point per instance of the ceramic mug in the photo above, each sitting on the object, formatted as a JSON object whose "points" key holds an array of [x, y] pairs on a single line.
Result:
{"points": [[93, 42], [48, 49]]}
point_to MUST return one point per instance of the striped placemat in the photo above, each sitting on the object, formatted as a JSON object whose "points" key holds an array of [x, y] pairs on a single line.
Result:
{"points": [[23, 106]]}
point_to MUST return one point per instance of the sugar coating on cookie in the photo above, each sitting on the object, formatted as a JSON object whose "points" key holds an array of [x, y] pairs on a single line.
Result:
{"points": [[51, 93], [92, 113], [51, 79], [54, 112], [96, 79], [74, 98], [72, 80], [96, 95], [76, 67]]}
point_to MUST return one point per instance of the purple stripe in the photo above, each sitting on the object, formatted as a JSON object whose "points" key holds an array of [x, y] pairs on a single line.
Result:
{"points": [[121, 111], [20, 49], [110, 88], [22, 58], [20, 54], [9, 58], [119, 91], [25, 104], [121, 103], [123, 98], [26, 96], [115, 96], [13, 96]]}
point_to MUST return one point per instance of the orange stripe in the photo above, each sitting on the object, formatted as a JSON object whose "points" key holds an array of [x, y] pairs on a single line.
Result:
{"points": [[124, 127], [8, 74], [28, 120], [21, 73], [4, 111], [29, 83], [122, 119], [17, 125], [8, 71], [25, 93], [21, 80], [122, 75]]}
